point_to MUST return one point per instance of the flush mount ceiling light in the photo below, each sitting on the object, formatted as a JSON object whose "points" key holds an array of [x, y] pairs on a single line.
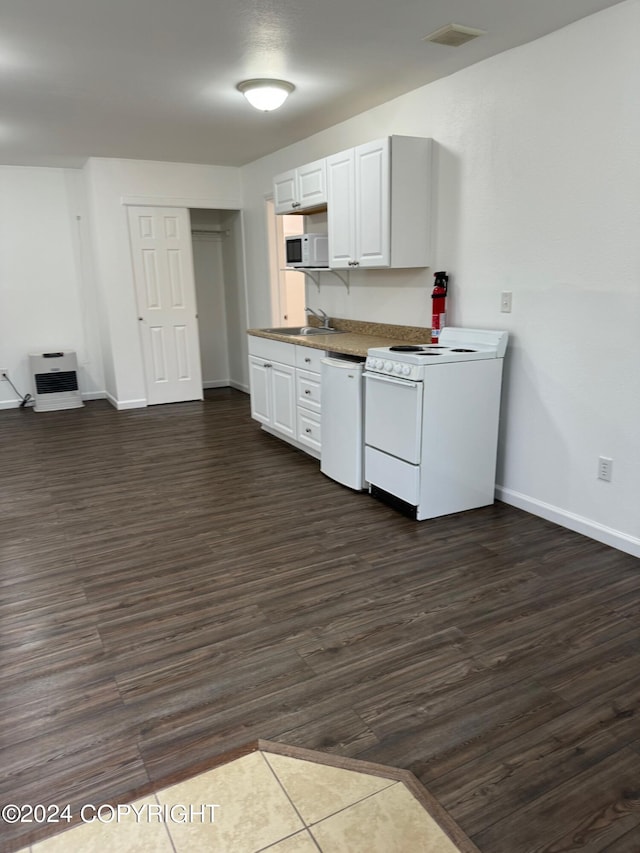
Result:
{"points": [[264, 94]]}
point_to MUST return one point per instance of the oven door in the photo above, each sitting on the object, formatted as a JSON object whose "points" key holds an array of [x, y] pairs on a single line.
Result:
{"points": [[393, 416]]}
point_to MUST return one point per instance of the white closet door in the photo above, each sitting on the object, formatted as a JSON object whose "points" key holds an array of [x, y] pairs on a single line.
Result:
{"points": [[165, 294]]}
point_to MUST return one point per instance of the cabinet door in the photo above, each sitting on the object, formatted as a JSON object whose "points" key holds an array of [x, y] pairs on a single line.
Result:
{"points": [[372, 205], [340, 209], [285, 192], [283, 394], [312, 184], [260, 384]]}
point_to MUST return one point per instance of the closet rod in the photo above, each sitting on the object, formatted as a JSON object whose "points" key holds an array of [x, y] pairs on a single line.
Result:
{"points": [[203, 232]]}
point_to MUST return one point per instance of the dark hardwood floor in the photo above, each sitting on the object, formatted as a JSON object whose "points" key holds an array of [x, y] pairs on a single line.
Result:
{"points": [[175, 583]]}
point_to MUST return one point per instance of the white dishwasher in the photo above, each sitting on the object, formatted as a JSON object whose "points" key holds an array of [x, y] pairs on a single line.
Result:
{"points": [[342, 421]]}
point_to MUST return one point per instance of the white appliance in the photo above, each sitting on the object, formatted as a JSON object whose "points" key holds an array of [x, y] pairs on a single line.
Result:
{"points": [[55, 381], [431, 422], [307, 250], [342, 414]]}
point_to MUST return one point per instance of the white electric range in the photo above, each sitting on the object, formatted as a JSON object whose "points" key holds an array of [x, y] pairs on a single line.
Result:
{"points": [[431, 421]]}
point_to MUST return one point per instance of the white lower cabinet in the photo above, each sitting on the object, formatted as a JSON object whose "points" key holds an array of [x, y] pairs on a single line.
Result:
{"points": [[273, 401], [309, 428], [261, 394], [283, 381], [308, 388], [308, 405], [285, 391]]}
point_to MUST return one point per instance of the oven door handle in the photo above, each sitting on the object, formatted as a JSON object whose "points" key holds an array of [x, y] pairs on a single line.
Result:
{"points": [[406, 383]]}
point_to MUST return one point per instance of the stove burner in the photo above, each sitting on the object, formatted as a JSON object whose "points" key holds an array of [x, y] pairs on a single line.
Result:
{"points": [[405, 349], [428, 352], [463, 350]]}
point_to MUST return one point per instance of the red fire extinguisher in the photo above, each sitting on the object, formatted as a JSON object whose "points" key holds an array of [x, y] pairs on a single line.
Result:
{"points": [[439, 297]]}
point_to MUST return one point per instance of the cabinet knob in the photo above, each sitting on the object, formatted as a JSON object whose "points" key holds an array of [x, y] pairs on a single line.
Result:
{"points": [[295, 204], [307, 361], [307, 391], [266, 364], [308, 429]]}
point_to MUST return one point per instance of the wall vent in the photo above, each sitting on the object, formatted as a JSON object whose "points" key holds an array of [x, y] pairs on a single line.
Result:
{"points": [[55, 381], [454, 35]]}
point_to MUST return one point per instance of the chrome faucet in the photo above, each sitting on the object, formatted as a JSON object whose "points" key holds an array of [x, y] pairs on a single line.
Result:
{"points": [[320, 315]]}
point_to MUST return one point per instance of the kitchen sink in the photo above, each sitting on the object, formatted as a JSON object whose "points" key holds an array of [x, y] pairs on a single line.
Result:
{"points": [[303, 330]]}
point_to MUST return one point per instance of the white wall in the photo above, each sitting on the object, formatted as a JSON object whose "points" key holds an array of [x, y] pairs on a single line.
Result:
{"points": [[46, 289], [235, 298], [536, 189], [111, 185], [212, 319]]}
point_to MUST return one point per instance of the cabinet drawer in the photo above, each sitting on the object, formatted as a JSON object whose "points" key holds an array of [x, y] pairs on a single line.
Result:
{"points": [[308, 389], [272, 350], [309, 428], [393, 475], [308, 358]]}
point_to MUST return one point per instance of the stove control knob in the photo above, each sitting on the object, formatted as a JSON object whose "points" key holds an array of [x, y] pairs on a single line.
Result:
{"points": [[388, 366], [379, 364], [397, 368], [406, 370]]}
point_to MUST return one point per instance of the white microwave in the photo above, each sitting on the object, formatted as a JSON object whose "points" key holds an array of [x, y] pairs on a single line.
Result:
{"points": [[307, 250]]}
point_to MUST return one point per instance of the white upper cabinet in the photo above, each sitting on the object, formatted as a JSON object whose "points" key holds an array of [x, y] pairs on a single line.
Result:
{"points": [[379, 204], [301, 189], [341, 223]]}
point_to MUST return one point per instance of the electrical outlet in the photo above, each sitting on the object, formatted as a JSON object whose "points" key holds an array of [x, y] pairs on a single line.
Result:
{"points": [[3, 371], [605, 464], [505, 301]]}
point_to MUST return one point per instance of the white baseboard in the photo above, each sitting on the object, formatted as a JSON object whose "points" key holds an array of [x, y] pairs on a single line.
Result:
{"points": [[86, 395], [577, 523], [225, 383], [122, 405]]}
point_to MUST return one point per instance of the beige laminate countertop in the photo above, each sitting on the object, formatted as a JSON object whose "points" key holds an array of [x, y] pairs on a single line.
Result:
{"points": [[355, 338]]}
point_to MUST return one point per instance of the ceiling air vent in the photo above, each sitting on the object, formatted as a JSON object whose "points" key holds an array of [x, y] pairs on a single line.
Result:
{"points": [[454, 35]]}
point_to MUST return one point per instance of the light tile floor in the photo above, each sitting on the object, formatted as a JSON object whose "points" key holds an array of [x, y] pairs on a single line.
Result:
{"points": [[264, 801]]}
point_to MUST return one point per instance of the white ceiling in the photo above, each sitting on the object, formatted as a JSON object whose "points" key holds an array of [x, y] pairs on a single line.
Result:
{"points": [[155, 79]]}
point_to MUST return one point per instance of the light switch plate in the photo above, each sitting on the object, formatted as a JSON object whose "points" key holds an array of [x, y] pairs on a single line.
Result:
{"points": [[505, 301]]}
